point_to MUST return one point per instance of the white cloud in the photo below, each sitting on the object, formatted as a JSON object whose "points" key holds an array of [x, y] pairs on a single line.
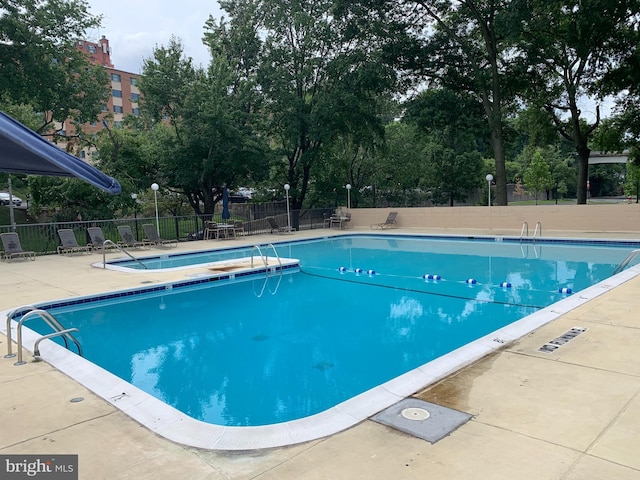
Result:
{"points": [[135, 27]]}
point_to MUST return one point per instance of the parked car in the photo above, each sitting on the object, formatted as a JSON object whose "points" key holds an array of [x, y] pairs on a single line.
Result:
{"points": [[4, 199]]}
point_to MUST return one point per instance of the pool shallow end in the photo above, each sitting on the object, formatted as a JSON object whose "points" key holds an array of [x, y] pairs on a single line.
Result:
{"points": [[176, 426]]}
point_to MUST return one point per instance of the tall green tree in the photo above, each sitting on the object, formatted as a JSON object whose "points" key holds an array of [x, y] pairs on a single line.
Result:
{"points": [[570, 46], [320, 82], [537, 176], [204, 138], [455, 129], [467, 46], [40, 66]]}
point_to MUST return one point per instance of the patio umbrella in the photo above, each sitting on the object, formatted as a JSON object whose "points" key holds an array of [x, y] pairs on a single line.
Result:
{"points": [[23, 151], [226, 214]]}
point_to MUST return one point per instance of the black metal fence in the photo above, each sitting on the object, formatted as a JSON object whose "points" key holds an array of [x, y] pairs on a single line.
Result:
{"points": [[43, 238]]}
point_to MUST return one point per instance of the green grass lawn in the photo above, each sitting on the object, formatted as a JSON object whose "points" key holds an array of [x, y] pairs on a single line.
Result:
{"points": [[20, 216]]}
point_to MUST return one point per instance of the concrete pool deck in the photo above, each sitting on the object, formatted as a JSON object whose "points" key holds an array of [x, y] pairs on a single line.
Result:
{"points": [[572, 414]]}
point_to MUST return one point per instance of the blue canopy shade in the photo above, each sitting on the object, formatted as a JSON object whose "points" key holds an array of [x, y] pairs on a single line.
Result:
{"points": [[226, 214], [23, 151]]}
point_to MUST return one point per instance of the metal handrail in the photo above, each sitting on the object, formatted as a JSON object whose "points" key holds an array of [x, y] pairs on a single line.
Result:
{"points": [[626, 261], [265, 258], [36, 346], [525, 225], [49, 320], [10, 316], [535, 232], [266, 250], [260, 252], [119, 247]]}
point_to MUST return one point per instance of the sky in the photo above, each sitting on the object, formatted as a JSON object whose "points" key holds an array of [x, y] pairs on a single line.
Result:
{"points": [[135, 27]]}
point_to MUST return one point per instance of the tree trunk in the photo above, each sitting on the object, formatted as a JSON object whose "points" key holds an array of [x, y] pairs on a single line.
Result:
{"points": [[501, 172], [583, 174]]}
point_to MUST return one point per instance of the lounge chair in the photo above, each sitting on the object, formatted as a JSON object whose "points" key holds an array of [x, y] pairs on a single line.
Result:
{"points": [[154, 239], [97, 239], [390, 222], [128, 240], [275, 227], [69, 243], [13, 249]]}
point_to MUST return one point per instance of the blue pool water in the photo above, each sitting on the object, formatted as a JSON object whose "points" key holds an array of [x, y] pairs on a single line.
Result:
{"points": [[264, 350]]}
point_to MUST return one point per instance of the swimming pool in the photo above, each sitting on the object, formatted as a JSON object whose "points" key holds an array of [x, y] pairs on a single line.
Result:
{"points": [[383, 335]]}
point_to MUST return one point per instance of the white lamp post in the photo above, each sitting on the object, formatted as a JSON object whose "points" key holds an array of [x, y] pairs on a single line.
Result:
{"points": [[489, 177], [348, 186], [286, 191], [155, 187]]}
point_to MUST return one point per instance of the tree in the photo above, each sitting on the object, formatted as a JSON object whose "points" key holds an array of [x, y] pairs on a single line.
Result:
{"points": [[320, 83], [40, 66], [570, 45], [455, 127], [202, 140], [537, 177], [469, 49]]}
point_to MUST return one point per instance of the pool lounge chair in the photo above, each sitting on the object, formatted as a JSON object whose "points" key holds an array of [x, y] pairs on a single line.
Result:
{"points": [[128, 240], [13, 249], [69, 244], [97, 239], [154, 239], [390, 222], [275, 227]]}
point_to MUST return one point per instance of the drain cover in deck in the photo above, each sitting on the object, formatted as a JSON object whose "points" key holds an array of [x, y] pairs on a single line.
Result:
{"points": [[422, 419]]}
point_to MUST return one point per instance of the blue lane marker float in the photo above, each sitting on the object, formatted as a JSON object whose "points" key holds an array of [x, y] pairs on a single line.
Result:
{"points": [[471, 281], [505, 284], [431, 276], [357, 271], [565, 290]]}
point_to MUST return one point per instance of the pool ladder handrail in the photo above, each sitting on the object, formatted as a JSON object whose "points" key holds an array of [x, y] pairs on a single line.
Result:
{"points": [[525, 231], [265, 261], [119, 247], [537, 230], [627, 261], [265, 258], [525, 227], [49, 319]]}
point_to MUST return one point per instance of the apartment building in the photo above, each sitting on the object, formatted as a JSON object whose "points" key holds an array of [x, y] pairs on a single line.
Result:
{"points": [[124, 93]]}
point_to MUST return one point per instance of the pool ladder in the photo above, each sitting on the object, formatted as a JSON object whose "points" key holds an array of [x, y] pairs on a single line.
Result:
{"points": [[627, 261], [119, 247], [525, 231], [30, 312], [265, 258], [265, 261]]}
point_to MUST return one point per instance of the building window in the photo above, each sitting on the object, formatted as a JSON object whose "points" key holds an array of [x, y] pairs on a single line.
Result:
{"points": [[118, 124], [135, 97], [82, 154], [116, 93], [104, 108], [116, 77], [136, 111], [91, 48], [134, 81], [117, 108]]}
